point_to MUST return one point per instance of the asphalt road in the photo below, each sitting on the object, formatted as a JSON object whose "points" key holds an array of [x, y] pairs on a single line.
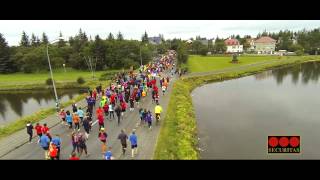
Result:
{"points": [[146, 138]]}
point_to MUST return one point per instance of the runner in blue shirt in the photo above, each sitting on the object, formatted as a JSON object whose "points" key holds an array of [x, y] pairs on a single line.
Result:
{"points": [[44, 143], [80, 114], [134, 143], [108, 154]]}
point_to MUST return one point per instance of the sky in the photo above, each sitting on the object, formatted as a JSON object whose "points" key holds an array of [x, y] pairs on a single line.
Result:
{"points": [[133, 29]]}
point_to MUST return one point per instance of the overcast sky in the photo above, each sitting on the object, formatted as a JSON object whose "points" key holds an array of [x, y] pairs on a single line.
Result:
{"points": [[133, 29]]}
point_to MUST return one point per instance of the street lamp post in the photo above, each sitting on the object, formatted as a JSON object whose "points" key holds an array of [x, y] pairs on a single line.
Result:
{"points": [[64, 67], [53, 84], [140, 57]]}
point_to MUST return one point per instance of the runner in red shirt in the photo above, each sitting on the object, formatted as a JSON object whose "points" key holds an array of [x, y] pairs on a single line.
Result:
{"points": [[74, 156], [99, 111], [123, 108], [155, 88], [38, 129], [94, 94], [100, 121], [45, 130], [113, 99], [154, 82]]}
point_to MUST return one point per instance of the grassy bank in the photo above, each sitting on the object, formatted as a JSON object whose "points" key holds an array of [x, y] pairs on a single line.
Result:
{"points": [[178, 134]]}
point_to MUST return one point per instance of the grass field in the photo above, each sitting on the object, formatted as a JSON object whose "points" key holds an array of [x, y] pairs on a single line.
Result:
{"points": [[210, 63], [20, 80]]}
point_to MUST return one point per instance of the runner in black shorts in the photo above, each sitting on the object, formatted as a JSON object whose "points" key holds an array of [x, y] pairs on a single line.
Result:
{"points": [[123, 140]]}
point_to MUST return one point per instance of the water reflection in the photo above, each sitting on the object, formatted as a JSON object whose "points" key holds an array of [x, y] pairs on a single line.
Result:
{"points": [[2, 107], [304, 72], [16, 105], [271, 103]]}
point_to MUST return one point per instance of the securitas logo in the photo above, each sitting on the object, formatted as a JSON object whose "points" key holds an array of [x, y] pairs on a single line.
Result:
{"points": [[283, 144]]}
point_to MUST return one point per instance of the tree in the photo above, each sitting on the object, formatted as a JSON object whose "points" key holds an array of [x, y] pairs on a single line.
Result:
{"points": [[219, 46], [295, 47], [98, 50], [203, 50], [33, 40], [175, 44], [6, 63], [76, 61], [161, 37], [61, 42], [244, 41], [264, 33], [162, 47], [145, 38], [44, 38], [37, 41], [24, 40], [110, 37], [79, 42], [34, 60], [238, 37], [119, 36], [84, 37], [182, 53], [246, 45], [198, 47]]}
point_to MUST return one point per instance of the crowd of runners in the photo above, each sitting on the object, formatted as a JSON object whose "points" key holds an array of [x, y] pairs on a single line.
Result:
{"points": [[111, 102]]}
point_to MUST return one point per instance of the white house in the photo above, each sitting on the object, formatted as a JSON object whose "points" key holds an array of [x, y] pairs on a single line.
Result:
{"points": [[233, 46]]}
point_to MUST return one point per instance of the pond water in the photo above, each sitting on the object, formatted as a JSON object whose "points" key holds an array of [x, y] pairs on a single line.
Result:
{"points": [[235, 117], [16, 105]]}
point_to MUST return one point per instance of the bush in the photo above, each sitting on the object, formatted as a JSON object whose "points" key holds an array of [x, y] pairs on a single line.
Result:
{"points": [[184, 68], [49, 82], [80, 80], [299, 52], [27, 69], [106, 76], [203, 51]]}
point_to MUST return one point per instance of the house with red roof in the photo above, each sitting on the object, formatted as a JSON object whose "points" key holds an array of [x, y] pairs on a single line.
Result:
{"points": [[265, 45], [233, 46]]}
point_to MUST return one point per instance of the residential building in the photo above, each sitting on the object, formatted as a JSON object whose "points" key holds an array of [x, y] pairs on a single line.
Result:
{"points": [[233, 46], [155, 40], [265, 45]]}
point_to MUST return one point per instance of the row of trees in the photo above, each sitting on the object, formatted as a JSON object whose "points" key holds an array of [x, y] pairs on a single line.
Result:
{"points": [[112, 52]]}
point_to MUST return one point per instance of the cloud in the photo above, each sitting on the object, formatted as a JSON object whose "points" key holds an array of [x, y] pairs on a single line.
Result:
{"points": [[133, 29]]}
